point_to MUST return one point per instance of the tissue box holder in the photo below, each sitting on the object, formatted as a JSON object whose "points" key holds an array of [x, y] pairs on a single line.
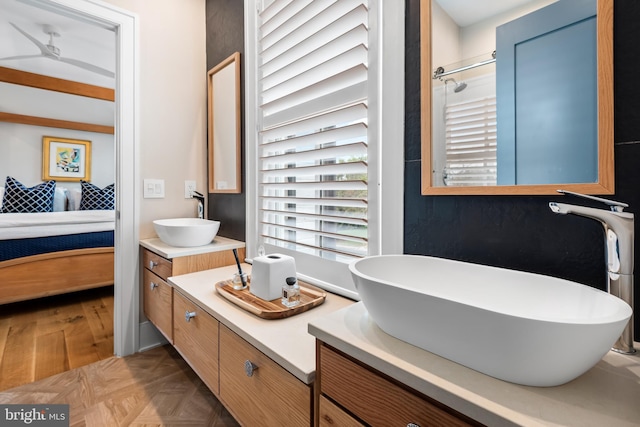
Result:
{"points": [[269, 274]]}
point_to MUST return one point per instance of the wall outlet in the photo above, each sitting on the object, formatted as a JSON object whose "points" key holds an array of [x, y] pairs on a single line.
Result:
{"points": [[189, 188]]}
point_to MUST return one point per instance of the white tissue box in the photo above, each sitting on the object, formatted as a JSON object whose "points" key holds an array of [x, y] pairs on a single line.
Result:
{"points": [[269, 274]]}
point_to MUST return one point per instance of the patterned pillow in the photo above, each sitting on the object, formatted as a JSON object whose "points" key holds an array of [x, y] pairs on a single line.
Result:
{"points": [[94, 198], [20, 199]]}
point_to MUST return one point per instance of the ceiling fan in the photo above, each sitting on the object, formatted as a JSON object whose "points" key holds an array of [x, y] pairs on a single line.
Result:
{"points": [[52, 52]]}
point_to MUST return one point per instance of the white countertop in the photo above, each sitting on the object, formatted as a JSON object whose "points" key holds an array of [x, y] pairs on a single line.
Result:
{"points": [[606, 395], [286, 341], [219, 244]]}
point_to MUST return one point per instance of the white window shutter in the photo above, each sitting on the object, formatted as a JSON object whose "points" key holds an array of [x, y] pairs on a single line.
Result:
{"points": [[471, 143], [313, 133]]}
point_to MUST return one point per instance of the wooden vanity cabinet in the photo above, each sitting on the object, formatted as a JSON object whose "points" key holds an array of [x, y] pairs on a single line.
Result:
{"points": [[256, 390], [352, 394], [158, 302], [195, 336], [157, 294]]}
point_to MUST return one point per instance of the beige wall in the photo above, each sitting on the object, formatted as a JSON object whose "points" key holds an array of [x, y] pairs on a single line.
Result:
{"points": [[480, 38], [445, 46], [172, 109]]}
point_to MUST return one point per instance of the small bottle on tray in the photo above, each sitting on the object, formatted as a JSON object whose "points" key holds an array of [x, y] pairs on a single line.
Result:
{"points": [[291, 293]]}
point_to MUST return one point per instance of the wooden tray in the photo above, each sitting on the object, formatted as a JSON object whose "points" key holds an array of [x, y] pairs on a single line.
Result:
{"points": [[310, 297]]}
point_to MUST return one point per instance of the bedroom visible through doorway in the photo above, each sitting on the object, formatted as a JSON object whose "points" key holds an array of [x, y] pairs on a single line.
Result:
{"points": [[124, 25]]}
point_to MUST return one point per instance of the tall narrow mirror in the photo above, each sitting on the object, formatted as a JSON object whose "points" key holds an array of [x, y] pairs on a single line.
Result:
{"points": [[224, 103], [517, 96]]}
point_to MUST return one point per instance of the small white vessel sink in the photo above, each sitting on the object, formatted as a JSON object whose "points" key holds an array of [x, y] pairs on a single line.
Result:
{"points": [[186, 232], [519, 327]]}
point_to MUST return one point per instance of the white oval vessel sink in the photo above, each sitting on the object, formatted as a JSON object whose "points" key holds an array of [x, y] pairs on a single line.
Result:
{"points": [[186, 232], [519, 327]]}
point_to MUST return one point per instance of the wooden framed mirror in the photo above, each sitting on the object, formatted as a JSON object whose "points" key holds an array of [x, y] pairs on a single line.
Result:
{"points": [[443, 71], [224, 126]]}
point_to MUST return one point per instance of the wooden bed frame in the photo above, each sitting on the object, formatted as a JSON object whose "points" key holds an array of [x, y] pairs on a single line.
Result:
{"points": [[55, 273]]}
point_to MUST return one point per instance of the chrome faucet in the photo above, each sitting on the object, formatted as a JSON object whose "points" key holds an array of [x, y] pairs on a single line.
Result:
{"points": [[618, 229], [200, 197]]}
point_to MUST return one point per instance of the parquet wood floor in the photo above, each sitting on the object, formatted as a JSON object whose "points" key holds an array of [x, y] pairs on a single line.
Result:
{"points": [[46, 336], [153, 388]]}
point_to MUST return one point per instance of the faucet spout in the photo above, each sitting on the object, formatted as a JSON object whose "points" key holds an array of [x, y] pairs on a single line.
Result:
{"points": [[619, 240], [618, 227], [200, 197]]}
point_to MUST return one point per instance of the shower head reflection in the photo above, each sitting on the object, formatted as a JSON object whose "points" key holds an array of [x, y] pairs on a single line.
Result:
{"points": [[459, 87]]}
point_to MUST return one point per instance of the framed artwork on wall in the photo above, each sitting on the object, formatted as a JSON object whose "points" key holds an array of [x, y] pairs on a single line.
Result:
{"points": [[65, 159]]}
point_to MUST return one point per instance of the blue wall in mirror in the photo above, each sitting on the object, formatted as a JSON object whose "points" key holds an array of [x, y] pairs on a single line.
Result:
{"points": [[547, 97]]}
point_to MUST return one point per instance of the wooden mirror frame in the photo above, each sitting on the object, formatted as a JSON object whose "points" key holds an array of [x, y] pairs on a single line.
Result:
{"points": [[605, 183], [224, 126]]}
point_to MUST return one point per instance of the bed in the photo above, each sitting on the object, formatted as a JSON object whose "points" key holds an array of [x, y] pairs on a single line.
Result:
{"points": [[50, 253]]}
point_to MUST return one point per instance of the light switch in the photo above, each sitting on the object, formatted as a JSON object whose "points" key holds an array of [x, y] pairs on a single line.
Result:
{"points": [[153, 188]]}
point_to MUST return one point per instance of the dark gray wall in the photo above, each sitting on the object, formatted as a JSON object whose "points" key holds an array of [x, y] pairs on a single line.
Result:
{"points": [[504, 231], [521, 232], [225, 35]]}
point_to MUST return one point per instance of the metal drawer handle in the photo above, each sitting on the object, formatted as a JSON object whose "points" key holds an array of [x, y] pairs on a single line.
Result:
{"points": [[188, 315], [153, 285], [249, 368], [152, 264], [412, 425]]}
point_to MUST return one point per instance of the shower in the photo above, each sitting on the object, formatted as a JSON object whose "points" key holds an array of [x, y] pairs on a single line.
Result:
{"points": [[459, 87]]}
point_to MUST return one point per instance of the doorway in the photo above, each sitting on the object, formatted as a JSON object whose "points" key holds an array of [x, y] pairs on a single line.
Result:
{"points": [[125, 27], [125, 298]]}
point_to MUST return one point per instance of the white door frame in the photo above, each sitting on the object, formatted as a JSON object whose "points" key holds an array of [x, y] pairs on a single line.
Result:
{"points": [[126, 290]]}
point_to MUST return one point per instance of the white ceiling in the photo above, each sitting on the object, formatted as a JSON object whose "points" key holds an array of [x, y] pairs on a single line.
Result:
{"points": [[467, 12], [78, 40], [96, 45], [90, 43]]}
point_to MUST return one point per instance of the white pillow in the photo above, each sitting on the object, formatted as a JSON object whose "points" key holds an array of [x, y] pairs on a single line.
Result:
{"points": [[1, 196], [73, 197], [60, 199]]}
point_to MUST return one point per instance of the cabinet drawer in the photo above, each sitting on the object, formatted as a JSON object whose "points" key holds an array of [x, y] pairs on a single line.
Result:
{"points": [[376, 400], [159, 265], [206, 261], [196, 339], [268, 396], [331, 415], [158, 299]]}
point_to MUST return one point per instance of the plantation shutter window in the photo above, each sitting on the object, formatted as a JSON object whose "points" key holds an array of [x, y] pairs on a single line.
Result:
{"points": [[312, 193]]}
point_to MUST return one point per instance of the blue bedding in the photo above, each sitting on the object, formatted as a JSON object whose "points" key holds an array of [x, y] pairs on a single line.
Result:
{"points": [[18, 248]]}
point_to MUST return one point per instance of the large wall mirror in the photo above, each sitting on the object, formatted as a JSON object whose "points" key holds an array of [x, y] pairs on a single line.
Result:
{"points": [[223, 83], [517, 96]]}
